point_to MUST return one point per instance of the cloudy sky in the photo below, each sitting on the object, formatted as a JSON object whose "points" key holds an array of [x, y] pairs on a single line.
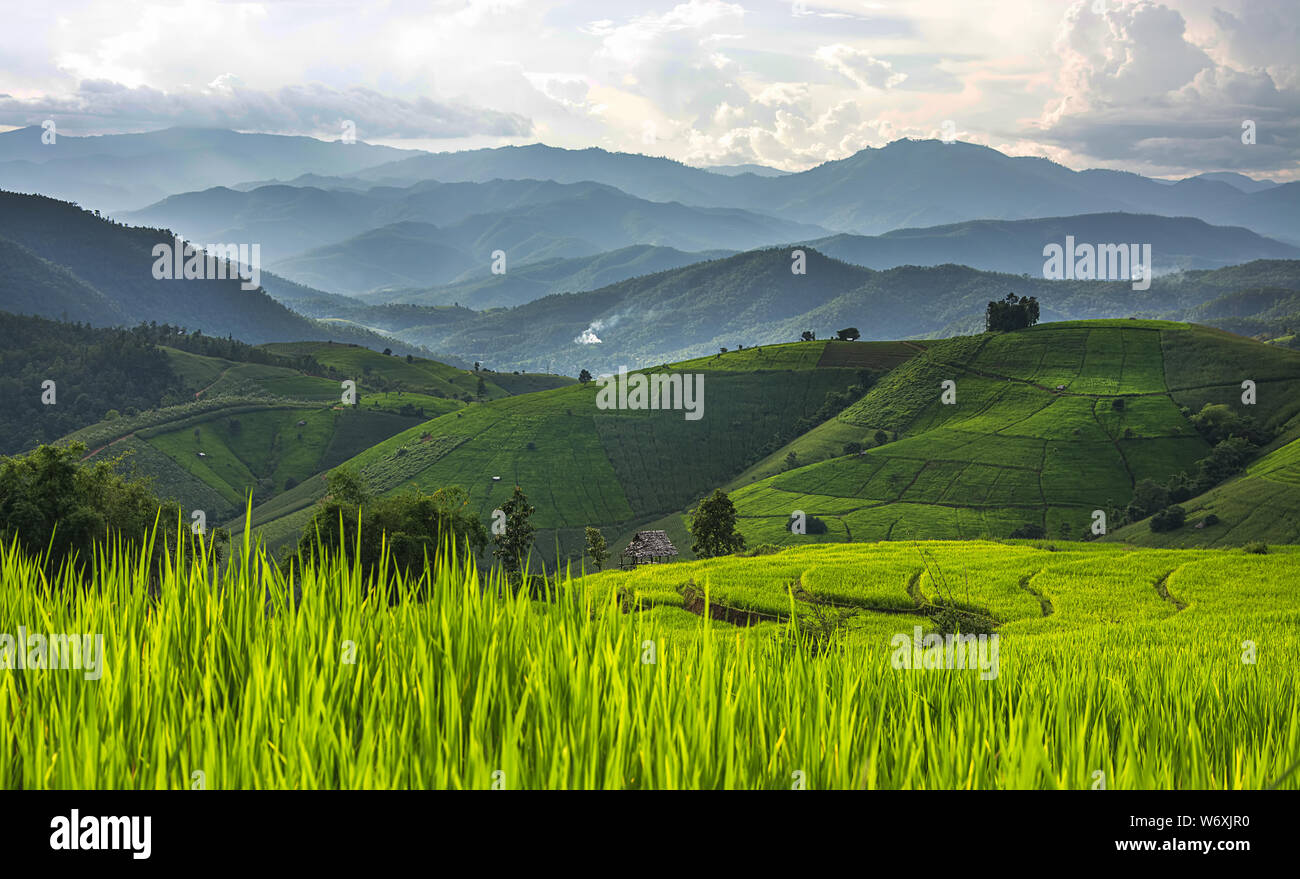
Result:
{"points": [[1158, 88]]}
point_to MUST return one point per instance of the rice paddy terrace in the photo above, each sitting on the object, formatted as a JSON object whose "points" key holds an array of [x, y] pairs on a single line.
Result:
{"points": [[260, 429], [1043, 426], [1260, 505], [582, 465]]}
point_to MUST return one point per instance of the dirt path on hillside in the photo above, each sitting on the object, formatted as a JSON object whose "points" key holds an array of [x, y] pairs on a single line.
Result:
{"points": [[92, 454], [202, 391]]}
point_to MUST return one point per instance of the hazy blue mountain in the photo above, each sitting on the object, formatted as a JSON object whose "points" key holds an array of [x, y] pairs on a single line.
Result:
{"points": [[753, 298], [1016, 246], [905, 184], [64, 262], [404, 254], [542, 278], [433, 233], [115, 172], [746, 168], [1237, 181]]}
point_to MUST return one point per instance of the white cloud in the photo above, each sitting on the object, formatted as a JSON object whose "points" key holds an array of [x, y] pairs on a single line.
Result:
{"points": [[859, 67], [1135, 90], [1160, 87], [292, 109]]}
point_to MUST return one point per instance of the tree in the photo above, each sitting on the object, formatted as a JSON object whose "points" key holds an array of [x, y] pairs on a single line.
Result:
{"points": [[514, 544], [584, 377], [52, 504], [850, 334], [409, 528], [852, 448], [596, 547], [791, 460], [1225, 459], [1169, 519], [346, 486], [713, 525], [481, 390], [1012, 312], [410, 358], [1217, 422], [808, 336], [881, 437], [1148, 497], [388, 352]]}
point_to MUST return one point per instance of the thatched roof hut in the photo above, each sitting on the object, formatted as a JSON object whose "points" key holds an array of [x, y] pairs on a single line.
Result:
{"points": [[648, 547]]}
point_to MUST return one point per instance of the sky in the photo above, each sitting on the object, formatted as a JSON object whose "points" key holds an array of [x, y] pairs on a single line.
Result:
{"points": [[1162, 89]]}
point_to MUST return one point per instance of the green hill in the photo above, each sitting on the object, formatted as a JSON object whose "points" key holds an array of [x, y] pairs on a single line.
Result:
{"points": [[263, 428], [1261, 505], [757, 298], [581, 465], [72, 264], [1048, 425]]}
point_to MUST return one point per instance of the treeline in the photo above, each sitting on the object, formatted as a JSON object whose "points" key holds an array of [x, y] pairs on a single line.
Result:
{"points": [[1235, 440], [100, 373], [227, 348], [63, 512], [94, 371]]}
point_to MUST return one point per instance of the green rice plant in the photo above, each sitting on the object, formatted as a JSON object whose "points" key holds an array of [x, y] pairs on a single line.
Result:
{"points": [[308, 678]]}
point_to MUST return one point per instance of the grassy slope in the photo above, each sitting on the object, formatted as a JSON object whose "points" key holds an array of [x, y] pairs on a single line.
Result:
{"points": [[1013, 450], [583, 466], [268, 453], [1263, 504], [427, 376]]}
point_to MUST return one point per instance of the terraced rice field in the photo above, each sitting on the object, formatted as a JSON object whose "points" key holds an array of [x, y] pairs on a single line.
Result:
{"points": [[1048, 425], [581, 465]]}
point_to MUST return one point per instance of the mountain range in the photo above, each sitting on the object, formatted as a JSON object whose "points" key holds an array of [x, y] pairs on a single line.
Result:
{"points": [[754, 298], [429, 233], [64, 262], [116, 172], [907, 183]]}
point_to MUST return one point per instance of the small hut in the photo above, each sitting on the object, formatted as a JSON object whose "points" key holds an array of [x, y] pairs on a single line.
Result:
{"points": [[647, 548]]}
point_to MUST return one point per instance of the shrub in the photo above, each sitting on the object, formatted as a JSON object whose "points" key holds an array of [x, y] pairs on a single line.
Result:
{"points": [[1171, 518], [761, 549], [52, 504], [1256, 547], [414, 525], [812, 524], [1029, 531]]}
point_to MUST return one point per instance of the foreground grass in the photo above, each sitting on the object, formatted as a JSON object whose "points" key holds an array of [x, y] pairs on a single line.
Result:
{"points": [[475, 687]]}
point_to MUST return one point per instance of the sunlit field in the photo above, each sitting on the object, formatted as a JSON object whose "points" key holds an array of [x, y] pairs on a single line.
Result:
{"points": [[1117, 667]]}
